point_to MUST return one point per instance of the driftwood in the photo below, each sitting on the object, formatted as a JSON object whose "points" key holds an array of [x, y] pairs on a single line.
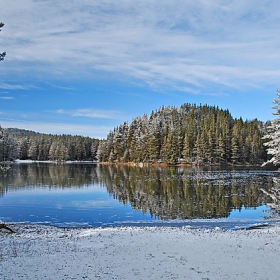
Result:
{"points": [[2, 225]]}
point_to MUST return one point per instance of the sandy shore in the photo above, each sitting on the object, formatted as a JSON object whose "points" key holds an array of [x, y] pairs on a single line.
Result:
{"points": [[39, 252]]}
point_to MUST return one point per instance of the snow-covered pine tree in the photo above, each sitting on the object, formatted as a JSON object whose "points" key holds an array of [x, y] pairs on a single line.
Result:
{"points": [[273, 134]]}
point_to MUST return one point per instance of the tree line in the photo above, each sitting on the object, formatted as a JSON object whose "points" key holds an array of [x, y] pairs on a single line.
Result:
{"points": [[23, 144], [189, 134]]}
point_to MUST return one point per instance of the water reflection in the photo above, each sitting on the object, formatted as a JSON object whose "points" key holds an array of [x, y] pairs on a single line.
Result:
{"points": [[50, 175], [274, 198], [171, 193], [163, 193]]}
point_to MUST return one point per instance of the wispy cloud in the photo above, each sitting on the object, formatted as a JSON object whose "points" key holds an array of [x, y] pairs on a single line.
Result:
{"points": [[191, 43], [92, 113], [14, 86], [7, 97], [62, 87]]}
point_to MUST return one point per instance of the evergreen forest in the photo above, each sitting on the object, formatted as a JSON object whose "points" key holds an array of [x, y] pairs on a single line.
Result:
{"points": [[25, 144], [189, 134]]}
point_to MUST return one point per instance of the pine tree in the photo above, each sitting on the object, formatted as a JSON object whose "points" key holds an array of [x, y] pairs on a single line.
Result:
{"points": [[171, 145], [236, 142], [187, 150], [33, 149], [221, 149], [9, 148], [273, 134], [153, 139], [53, 150], [23, 148], [235, 151], [62, 152], [93, 150]]}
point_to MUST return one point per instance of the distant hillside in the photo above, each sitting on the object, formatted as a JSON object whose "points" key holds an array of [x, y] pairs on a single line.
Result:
{"points": [[20, 132], [25, 144], [189, 134]]}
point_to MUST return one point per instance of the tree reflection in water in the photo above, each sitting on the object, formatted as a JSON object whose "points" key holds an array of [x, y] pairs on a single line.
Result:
{"points": [[165, 193], [273, 193], [185, 193]]}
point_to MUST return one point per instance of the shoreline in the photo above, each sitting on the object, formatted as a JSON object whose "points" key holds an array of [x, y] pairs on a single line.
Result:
{"points": [[45, 252], [139, 164], [164, 164], [18, 161]]}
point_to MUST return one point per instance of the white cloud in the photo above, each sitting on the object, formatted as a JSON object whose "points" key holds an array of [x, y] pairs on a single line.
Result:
{"points": [[14, 87], [7, 97], [194, 43], [62, 87], [92, 113]]}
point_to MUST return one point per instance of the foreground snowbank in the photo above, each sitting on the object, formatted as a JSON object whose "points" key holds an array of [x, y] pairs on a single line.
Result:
{"points": [[39, 252]]}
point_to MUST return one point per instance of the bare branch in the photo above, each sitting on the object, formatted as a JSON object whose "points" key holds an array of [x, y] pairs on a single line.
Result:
{"points": [[2, 225]]}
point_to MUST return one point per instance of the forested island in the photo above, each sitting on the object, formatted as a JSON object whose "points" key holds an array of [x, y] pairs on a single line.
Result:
{"points": [[187, 134]]}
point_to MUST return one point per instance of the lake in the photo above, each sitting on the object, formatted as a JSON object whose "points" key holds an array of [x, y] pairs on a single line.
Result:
{"points": [[84, 195]]}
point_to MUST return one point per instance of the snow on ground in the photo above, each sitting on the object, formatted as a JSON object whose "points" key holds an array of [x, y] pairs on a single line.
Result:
{"points": [[43, 252]]}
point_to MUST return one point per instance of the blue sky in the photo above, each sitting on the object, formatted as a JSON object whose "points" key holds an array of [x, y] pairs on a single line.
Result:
{"points": [[84, 67]]}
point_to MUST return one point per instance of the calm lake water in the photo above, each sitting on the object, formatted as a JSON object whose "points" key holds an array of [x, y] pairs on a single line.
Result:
{"points": [[82, 195]]}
